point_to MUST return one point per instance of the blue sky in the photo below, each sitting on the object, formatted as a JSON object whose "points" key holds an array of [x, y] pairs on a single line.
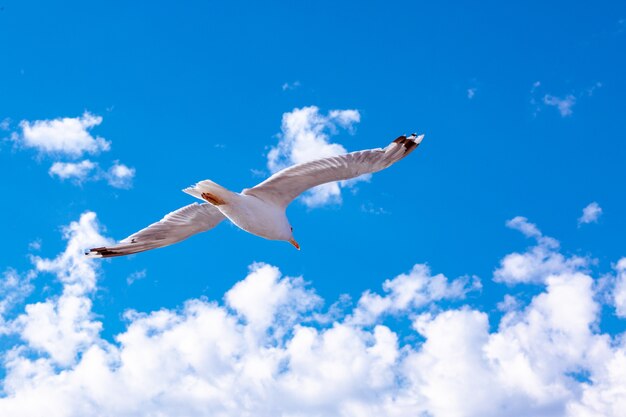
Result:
{"points": [[522, 106]]}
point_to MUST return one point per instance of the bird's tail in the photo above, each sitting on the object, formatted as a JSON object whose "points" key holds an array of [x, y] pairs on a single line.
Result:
{"points": [[210, 192]]}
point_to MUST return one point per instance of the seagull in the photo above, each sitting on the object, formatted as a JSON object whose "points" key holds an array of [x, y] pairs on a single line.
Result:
{"points": [[259, 210]]}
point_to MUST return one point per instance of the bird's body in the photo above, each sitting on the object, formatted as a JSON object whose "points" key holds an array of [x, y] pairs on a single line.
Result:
{"points": [[260, 210], [256, 216]]}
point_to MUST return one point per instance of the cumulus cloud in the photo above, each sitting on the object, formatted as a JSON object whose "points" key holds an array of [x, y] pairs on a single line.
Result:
{"points": [[409, 292], [306, 136], [260, 351], [619, 293], [120, 175], [71, 137], [67, 136], [509, 303], [537, 262], [75, 171], [60, 326], [591, 213], [263, 296]]}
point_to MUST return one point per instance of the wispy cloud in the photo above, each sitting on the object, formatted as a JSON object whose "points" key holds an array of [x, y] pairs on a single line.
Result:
{"points": [[258, 173], [593, 88], [35, 245], [135, 276], [563, 103], [370, 208], [291, 86], [591, 213], [471, 92]]}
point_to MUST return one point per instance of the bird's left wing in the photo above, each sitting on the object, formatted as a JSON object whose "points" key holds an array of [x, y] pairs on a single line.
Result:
{"points": [[174, 227], [282, 187]]}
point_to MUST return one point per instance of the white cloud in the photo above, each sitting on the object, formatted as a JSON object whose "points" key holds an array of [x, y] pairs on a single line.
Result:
{"points": [[619, 293], [305, 137], [263, 298], [135, 276], [509, 303], [62, 325], [75, 171], [409, 292], [591, 213], [345, 118], [259, 353], [523, 225], [35, 245], [539, 261], [70, 137], [5, 124], [606, 396], [258, 173], [471, 92], [291, 86], [67, 136], [14, 288], [370, 208], [120, 176], [593, 88], [564, 105]]}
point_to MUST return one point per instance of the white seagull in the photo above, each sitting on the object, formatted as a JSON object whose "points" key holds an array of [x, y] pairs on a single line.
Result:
{"points": [[259, 210]]}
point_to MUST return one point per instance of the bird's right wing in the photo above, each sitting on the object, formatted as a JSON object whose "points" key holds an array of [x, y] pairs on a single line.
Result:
{"points": [[282, 187], [174, 227]]}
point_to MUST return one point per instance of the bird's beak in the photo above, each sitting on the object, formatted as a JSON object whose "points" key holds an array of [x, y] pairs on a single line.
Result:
{"points": [[294, 243]]}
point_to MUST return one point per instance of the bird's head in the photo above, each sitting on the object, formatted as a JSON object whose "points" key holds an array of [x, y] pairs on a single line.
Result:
{"points": [[292, 240]]}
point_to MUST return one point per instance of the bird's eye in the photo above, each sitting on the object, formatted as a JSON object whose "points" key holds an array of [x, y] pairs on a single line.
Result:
{"points": [[292, 229]]}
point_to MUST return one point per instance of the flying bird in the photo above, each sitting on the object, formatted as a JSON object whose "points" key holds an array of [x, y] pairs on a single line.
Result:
{"points": [[259, 210]]}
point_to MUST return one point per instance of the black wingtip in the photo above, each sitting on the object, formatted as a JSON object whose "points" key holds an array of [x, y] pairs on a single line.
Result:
{"points": [[410, 143], [102, 252]]}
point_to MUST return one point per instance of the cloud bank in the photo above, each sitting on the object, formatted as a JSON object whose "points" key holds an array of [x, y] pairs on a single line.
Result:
{"points": [[270, 349]]}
